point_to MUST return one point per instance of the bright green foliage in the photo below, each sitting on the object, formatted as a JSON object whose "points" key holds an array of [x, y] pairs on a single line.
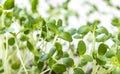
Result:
{"points": [[81, 48], [102, 30], [24, 38], [11, 41], [85, 60], [102, 49], [103, 38], [9, 4], [101, 60], [59, 68], [119, 36], [40, 65], [88, 58], [59, 50], [30, 46], [66, 36], [110, 54], [118, 54], [59, 23], [51, 62], [44, 57], [15, 65], [52, 26], [68, 61], [1, 10], [34, 4], [53, 43], [78, 71], [52, 51], [72, 31], [116, 21], [83, 29]]}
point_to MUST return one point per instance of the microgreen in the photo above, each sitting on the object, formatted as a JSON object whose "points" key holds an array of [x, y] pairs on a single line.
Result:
{"points": [[33, 44]]}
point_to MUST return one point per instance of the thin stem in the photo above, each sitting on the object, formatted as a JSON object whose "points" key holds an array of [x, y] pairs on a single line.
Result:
{"points": [[50, 71], [93, 49], [44, 71], [19, 55], [55, 38]]}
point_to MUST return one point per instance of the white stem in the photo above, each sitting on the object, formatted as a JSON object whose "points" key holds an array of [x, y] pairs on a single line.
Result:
{"points": [[44, 71], [19, 55]]}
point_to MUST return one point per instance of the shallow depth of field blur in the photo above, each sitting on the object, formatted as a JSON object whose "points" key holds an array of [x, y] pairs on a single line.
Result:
{"points": [[59, 36]]}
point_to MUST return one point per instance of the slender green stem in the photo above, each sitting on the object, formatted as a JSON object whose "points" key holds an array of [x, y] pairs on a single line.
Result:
{"points": [[55, 38]]}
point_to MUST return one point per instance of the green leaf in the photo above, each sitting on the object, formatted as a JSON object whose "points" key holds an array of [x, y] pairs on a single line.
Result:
{"points": [[78, 36], [83, 29], [23, 38], [1, 10], [58, 46], [88, 58], [101, 30], [96, 22], [101, 60], [34, 4], [81, 48], [116, 21], [2, 30], [59, 55], [65, 54], [51, 62], [118, 54], [102, 49], [52, 26], [110, 54], [119, 36], [1, 63], [66, 36], [78, 70], [30, 46], [40, 65], [68, 61], [59, 23], [26, 31], [7, 22], [83, 62], [44, 57], [72, 31], [9, 4], [59, 50], [59, 68], [15, 65], [52, 51], [103, 38], [11, 41], [65, 4]]}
